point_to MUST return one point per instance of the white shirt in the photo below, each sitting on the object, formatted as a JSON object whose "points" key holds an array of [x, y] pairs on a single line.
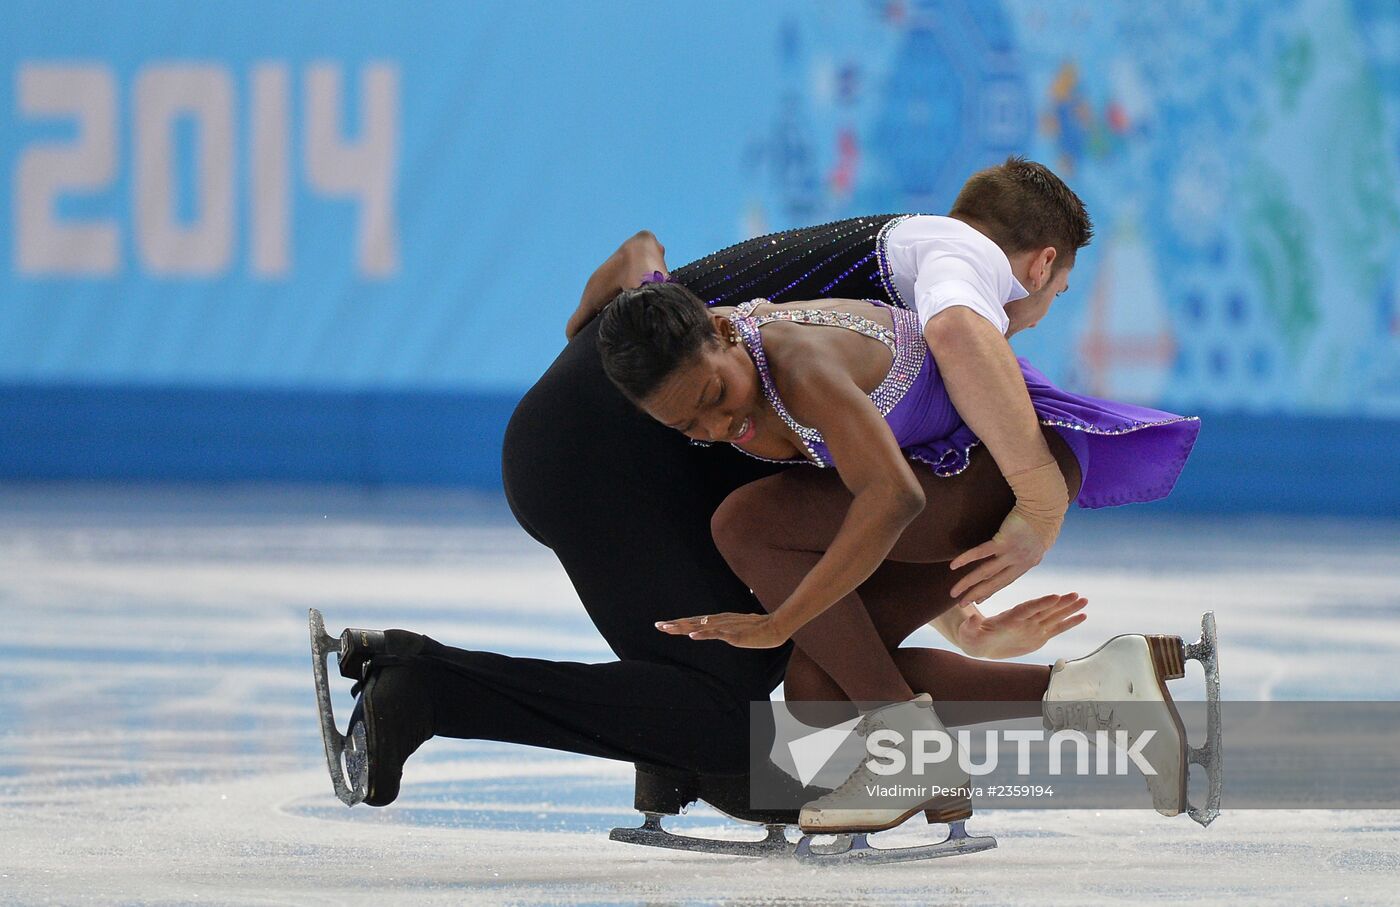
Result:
{"points": [[939, 262]]}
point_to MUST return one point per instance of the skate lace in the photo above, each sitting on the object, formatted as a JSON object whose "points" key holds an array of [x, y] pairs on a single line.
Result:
{"points": [[860, 775], [1070, 715]]}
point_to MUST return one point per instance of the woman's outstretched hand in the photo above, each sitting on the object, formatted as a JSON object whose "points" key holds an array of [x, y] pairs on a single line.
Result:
{"points": [[1019, 630], [747, 631]]}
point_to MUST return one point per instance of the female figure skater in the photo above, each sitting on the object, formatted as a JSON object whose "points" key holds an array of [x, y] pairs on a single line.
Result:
{"points": [[852, 384]]}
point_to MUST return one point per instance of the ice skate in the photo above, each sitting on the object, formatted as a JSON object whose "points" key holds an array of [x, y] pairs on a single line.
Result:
{"points": [[392, 715], [662, 792], [1122, 687], [940, 791]]}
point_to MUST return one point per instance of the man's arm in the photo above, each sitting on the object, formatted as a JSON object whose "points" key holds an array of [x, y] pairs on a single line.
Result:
{"points": [[986, 387], [639, 256], [985, 384]]}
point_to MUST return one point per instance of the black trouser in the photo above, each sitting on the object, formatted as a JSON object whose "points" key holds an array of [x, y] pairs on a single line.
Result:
{"points": [[625, 503]]}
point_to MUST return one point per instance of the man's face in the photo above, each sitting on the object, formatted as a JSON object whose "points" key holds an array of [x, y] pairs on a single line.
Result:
{"points": [[1026, 313]]}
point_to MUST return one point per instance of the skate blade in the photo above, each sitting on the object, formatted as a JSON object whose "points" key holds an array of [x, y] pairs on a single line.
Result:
{"points": [[651, 834], [856, 848], [342, 752], [1206, 650], [943, 811]]}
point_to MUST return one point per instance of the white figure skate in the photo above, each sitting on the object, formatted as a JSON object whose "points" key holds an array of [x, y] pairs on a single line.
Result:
{"points": [[941, 791], [1122, 687]]}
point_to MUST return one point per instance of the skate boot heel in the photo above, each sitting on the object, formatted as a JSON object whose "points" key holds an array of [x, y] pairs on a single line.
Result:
{"points": [[1168, 656], [949, 812], [356, 648]]}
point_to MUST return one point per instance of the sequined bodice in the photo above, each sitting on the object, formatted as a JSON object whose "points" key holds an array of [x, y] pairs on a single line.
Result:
{"points": [[905, 342]]}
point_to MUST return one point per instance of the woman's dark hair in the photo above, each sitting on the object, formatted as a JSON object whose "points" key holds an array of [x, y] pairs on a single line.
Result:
{"points": [[645, 334]]}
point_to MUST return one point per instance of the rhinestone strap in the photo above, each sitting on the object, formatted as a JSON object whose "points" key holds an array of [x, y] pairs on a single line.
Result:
{"points": [[886, 273], [847, 320], [905, 343], [748, 332]]}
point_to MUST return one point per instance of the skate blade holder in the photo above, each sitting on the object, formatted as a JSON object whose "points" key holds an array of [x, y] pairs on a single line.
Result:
{"points": [[344, 753], [841, 849], [651, 834], [1206, 650], [856, 848]]}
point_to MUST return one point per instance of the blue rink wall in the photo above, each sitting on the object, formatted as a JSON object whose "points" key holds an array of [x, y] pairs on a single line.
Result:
{"points": [[335, 241], [1241, 464]]}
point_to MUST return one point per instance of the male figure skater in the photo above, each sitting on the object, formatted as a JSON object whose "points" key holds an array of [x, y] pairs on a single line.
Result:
{"points": [[625, 503]]}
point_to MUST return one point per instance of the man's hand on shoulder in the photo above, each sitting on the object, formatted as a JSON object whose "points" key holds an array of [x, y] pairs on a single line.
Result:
{"points": [[639, 256]]}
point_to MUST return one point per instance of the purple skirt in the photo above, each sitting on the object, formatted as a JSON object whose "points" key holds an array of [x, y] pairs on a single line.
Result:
{"points": [[1127, 454]]}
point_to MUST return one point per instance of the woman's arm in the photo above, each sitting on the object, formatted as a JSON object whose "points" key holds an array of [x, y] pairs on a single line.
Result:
{"points": [[886, 497], [636, 258], [885, 494]]}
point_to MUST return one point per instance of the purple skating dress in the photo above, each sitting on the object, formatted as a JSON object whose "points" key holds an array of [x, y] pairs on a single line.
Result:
{"points": [[1127, 454]]}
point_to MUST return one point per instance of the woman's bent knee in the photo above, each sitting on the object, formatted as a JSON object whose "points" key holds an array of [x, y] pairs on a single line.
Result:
{"points": [[807, 682], [740, 520]]}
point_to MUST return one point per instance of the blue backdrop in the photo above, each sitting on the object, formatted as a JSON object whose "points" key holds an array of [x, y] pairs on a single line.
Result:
{"points": [[337, 241]]}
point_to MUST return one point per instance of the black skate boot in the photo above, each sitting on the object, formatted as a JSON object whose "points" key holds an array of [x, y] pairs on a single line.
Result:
{"points": [[662, 792], [393, 712]]}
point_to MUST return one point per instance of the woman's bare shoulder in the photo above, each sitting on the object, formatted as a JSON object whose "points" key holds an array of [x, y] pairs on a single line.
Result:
{"points": [[810, 354], [799, 357]]}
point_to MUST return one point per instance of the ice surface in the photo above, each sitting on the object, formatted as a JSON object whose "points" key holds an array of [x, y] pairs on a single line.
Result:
{"points": [[158, 740]]}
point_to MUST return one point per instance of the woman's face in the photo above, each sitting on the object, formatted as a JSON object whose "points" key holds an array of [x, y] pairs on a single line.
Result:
{"points": [[713, 397]]}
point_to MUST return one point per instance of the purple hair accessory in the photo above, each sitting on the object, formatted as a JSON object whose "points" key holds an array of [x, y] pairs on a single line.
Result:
{"points": [[657, 277]]}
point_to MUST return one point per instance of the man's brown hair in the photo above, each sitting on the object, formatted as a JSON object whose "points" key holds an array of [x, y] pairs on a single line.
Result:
{"points": [[1022, 205]]}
